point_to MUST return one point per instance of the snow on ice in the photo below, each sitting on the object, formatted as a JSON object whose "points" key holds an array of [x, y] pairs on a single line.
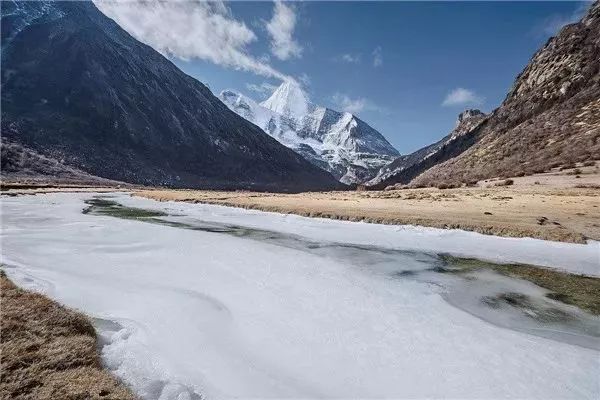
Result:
{"points": [[185, 313]]}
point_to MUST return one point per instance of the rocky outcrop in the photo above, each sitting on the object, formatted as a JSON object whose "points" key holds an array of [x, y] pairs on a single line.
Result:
{"points": [[22, 165], [78, 88]]}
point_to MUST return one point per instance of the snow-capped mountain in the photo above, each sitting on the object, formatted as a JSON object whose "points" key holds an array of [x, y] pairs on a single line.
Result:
{"points": [[336, 141], [288, 100]]}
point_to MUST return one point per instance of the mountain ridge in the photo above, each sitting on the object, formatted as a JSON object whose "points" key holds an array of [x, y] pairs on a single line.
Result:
{"points": [[78, 88], [467, 121]]}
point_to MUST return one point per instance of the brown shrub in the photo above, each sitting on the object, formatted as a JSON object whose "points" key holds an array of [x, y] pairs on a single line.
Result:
{"points": [[588, 186], [443, 186], [567, 166], [554, 164], [506, 182]]}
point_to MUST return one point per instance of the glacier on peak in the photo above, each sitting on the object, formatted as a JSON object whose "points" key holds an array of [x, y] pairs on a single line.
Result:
{"points": [[338, 142], [289, 100]]}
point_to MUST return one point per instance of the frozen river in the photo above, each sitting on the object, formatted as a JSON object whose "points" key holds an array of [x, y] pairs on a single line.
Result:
{"points": [[195, 300]]}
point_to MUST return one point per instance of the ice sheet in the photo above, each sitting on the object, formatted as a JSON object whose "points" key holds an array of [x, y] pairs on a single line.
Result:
{"points": [[198, 313], [576, 258]]}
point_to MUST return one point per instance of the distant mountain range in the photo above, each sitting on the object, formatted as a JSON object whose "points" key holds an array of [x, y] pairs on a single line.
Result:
{"points": [[550, 117], [336, 141], [78, 89]]}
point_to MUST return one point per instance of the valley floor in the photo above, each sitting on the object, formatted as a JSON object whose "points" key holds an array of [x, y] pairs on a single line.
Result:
{"points": [[559, 205]]}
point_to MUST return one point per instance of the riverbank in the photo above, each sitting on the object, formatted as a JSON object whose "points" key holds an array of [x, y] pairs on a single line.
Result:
{"points": [[566, 214], [560, 205], [49, 351]]}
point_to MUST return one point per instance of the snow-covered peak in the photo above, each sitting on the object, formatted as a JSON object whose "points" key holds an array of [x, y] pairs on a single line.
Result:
{"points": [[337, 141], [232, 97], [289, 100], [248, 108]]}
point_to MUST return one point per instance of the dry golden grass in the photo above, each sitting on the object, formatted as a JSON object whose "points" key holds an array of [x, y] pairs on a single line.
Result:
{"points": [[544, 207], [49, 352]]}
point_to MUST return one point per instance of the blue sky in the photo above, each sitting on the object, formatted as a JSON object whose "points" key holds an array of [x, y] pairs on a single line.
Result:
{"points": [[406, 68]]}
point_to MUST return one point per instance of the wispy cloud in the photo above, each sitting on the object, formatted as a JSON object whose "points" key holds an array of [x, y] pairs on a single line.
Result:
{"points": [[552, 24], [377, 56], [354, 105], [191, 29], [348, 58], [263, 88], [304, 79], [462, 97], [281, 29]]}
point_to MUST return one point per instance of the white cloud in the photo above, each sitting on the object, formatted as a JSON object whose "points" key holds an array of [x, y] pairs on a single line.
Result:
{"points": [[377, 56], [190, 29], [354, 105], [551, 25], [462, 97], [348, 58], [263, 88], [281, 29], [304, 78]]}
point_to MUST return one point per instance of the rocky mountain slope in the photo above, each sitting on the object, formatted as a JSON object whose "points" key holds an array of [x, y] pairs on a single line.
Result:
{"points": [[550, 117], [79, 89], [467, 121], [20, 164], [339, 142]]}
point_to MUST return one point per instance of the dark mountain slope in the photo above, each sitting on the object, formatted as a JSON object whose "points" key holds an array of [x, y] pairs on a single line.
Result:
{"points": [[78, 88], [406, 167], [550, 117], [25, 166]]}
